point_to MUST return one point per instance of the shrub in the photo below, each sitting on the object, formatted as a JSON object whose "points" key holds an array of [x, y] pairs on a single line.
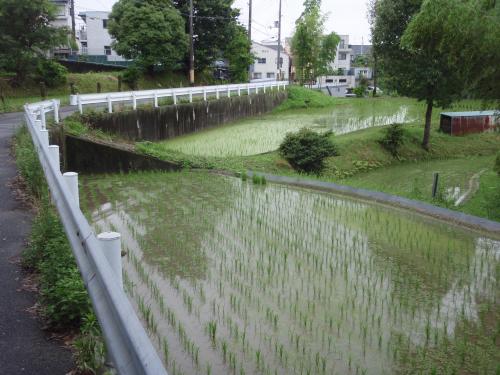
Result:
{"points": [[359, 91], [393, 138], [306, 150], [131, 77], [301, 97], [51, 73]]}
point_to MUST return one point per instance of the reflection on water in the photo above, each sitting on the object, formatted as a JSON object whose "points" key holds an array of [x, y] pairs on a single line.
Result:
{"points": [[248, 279]]}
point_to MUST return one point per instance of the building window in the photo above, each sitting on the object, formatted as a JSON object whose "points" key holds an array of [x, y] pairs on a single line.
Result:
{"points": [[342, 80], [342, 44], [342, 56], [257, 75], [281, 61], [104, 24], [261, 60], [270, 75], [329, 80], [107, 50]]}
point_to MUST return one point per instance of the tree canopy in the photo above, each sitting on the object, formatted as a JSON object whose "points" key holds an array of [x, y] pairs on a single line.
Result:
{"points": [[152, 32], [27, 35], [313, 52]]}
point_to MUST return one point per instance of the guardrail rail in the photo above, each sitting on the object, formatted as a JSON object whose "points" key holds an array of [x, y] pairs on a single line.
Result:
{"points": [[133, 96], [98, 257]]}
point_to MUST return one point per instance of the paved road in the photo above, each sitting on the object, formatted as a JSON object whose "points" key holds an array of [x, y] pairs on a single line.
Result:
{"points": [[24, 347]]}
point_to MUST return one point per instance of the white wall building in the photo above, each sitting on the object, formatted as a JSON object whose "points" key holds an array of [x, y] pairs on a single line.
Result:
{"points": [[266, 58], [341, 66], [63, 16], [94, 37]]}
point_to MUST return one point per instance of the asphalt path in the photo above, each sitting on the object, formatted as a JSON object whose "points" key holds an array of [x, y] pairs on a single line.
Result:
{"points": [[24, 347]]}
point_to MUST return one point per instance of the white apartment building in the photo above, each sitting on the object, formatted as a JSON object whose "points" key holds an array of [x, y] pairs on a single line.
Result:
{"points": [[94, 37], [63, 16], [266, 58], [341, 66]]}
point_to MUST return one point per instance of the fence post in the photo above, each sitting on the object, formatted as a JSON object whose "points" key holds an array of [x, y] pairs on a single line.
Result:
{"points": [[264, 89], [54, 157], [174, 97], [110, 104], [134, 101], [217, 93], [111, 247], [156, 99], [56, 111], [228, 92], [248, 89], [79, 100], [71, 179], [435, 185], [44, 135], [204, 94], [190, 96], [239, 91], [42, 117], [256, 89]]}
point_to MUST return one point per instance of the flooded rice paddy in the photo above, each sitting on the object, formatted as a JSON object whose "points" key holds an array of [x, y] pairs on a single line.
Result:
{"points": [[263, 134], [235, 278]]}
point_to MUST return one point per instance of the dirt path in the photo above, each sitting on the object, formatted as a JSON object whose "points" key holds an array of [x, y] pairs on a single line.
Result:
{"points": [[24, 347], [473, 188]]}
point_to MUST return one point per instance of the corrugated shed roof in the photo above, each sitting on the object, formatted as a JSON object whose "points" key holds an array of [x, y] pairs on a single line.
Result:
{"points": [[470, 114]]}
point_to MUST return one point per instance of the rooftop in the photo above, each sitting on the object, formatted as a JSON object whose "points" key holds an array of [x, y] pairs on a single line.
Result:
{"points": [[470, 114]]}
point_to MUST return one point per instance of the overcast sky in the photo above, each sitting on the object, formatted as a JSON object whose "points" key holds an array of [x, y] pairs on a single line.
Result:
{"points": [[345, 16]]}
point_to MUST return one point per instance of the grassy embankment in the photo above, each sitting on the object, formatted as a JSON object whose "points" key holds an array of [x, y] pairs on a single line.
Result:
{"points": [[65, 305], [362, 161], [84, 83]]}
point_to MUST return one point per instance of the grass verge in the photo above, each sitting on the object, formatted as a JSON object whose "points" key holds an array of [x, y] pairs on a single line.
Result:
{"points": [[65, 303]]}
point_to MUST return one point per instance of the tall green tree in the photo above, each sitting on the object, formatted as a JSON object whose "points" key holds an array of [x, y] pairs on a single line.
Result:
{"points": [[238, 54], [152, 32], [216, 31], [327, 53], [307, 41], [26, 35]]}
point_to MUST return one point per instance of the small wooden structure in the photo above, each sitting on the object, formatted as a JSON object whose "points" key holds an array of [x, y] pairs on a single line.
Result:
{"points": [[461, 123]]}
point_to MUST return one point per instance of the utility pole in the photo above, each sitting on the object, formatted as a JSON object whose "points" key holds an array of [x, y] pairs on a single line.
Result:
{"points": [[279, 42], [191, 47], [72, 14], [250, 35]]}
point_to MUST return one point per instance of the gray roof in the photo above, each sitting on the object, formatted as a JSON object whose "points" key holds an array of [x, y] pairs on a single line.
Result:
{"points": [[357, 48], [470, 114]]}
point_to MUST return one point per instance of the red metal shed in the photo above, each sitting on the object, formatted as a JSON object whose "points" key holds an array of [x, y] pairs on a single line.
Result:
{"points": [[460, 123]]}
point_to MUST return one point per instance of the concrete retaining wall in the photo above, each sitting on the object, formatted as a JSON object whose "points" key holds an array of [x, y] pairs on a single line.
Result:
{"points": [[87, 156], [170, 121]]}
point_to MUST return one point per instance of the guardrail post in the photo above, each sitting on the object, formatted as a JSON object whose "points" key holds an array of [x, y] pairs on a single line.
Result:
{"points": [[56, 111], [111, 247], [43, 123], [71, 179], [110, 104], [44, 135], [248, 89], [228, 92], [174, 97], [79, 101], [239, 91], [205, 94], [190, 96], [54, 157], [264, 89], [217, 93], [134, 101], [256, 89], [155, 99]]}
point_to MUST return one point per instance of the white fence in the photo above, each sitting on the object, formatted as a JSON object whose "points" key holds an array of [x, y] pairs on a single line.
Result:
{"points": [[184, 92], [97, 257]]}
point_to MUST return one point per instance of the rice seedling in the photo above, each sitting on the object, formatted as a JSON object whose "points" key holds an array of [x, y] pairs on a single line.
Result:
{"points": [[240, 279]]}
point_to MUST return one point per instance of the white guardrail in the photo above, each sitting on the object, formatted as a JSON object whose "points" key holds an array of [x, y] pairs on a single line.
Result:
{"points": [[98, 257], [133, 96]]}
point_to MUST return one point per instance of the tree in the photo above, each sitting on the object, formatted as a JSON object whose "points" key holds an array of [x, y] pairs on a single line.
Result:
{"points": [[216, 31], [307, 41], [152, 32], [415, 66], [238, 54], [27, 35], [327, 53]]}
